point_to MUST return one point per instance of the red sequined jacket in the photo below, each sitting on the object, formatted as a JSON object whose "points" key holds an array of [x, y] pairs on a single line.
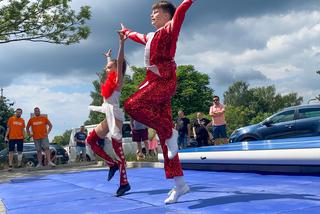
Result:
{"points": [[161, 46]]}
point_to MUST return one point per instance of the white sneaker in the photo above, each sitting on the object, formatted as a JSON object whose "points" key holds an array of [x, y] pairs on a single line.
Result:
{"points": [[51, 164], [39, 165], [175, 194], [172, 144]]}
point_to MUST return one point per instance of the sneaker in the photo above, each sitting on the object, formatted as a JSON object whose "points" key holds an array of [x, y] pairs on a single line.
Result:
{"points": [[112, 171], [123, 189], [39, 165], [172, 144], [51, 164], [10, 168], [19, 166], [176, 193]]}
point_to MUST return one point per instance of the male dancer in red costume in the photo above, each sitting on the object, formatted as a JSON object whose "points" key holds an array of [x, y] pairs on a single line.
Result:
{"points": [[151, 105], [110, 91]]}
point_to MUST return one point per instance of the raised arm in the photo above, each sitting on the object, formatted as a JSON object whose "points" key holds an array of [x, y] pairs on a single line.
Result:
{"points": [[108, 55], [137, 37], [121, 60], [179, 15]]}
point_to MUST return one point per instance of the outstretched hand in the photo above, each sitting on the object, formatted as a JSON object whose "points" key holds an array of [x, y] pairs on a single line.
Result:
{"points": [[122, 27], [122, 37], [108, 53], [121, 33]]}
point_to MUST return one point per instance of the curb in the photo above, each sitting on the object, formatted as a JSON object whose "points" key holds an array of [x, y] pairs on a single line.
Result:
{"points": [[2, 208]]}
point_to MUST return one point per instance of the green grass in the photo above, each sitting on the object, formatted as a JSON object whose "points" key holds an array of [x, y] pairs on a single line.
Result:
{"points": [[132, 158]]}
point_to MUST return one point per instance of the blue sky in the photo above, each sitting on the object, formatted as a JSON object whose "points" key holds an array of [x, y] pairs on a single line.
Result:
{"points": [[263, 42]]}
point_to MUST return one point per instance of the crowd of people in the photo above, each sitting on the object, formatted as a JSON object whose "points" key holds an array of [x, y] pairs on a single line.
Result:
{"points": [[205, 132]]}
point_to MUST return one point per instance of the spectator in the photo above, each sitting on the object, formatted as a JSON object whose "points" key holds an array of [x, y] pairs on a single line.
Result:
{"points": [[15, 135], [153, 142], [41, 127], [219, 131], [200, 131], [183, 126], [80, 138], [139, 134]]}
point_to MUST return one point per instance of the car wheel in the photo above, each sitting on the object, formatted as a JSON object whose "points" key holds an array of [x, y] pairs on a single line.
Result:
{"points": [[30, 164], [53, 156], [249, 139]]}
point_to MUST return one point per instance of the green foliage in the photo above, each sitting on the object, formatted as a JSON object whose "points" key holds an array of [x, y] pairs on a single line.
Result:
{"points": [[5, 113], [51, 21], [245, 106], [63, 139], [193, 93]]}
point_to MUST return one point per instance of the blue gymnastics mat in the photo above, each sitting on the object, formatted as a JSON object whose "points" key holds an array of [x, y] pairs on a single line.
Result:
{"points": [[211, 192]]}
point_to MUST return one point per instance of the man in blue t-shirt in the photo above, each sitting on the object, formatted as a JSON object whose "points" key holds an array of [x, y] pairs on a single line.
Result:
{"points": [[182, 125], [80, 138]]}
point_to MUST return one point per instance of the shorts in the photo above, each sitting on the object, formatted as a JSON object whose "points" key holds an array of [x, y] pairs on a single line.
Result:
{"points": [[139, 135], [42, 143], [219, 132], [12, 144], [81, 150]]}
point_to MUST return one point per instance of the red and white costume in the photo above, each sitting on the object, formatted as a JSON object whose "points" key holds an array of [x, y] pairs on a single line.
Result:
{"points": [[111, 108], [151, 105]]}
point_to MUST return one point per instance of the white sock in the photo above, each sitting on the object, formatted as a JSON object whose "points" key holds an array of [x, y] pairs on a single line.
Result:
{"points": [[19, 158], [179, 182]]}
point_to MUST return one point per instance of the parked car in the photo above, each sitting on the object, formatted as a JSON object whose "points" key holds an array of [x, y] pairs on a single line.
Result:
{"points": [[292, 122], [128, 146], [29, 155]]}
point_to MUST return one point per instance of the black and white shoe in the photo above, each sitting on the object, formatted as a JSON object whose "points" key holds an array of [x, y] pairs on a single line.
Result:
{"points": [[123, 189], [112, 171]]}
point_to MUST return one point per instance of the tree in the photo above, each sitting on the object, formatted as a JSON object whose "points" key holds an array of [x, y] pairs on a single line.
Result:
{"points": [[63, 139], [193, 93], [5, 112], [51, 21], [238, 94], [247, 106]]}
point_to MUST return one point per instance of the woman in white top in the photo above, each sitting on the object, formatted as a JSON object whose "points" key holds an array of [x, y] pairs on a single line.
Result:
{"points": [[111, 90]]}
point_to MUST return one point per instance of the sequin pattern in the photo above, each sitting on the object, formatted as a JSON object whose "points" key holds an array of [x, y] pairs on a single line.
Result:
{"points": [[151, 105]]}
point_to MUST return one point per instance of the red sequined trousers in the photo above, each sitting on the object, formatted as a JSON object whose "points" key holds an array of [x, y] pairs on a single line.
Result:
{"points": [[151, 106]]}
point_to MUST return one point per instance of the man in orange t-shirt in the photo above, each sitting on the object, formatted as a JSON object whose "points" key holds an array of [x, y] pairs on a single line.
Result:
{"points": [[41, 127], [15, 135]]}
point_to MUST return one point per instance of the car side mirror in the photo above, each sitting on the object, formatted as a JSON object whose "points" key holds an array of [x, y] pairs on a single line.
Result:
{"points": [[267, 123]]}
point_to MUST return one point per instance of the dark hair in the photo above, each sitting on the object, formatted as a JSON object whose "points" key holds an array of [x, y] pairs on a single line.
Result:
{"points": [[165, 6], [124, 65], [215, 96], [19, 109]]}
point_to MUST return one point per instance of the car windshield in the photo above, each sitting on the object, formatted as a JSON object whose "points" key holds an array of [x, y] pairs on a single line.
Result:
{"points": [[282, 117]]}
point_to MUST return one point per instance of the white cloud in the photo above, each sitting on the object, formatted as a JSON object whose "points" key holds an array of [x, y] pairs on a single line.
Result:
{"points": [[66, 109], [287, 51]]}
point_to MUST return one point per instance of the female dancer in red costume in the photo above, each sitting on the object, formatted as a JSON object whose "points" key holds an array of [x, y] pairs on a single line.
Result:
{"points": [[151, 105], [110, 91]]}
